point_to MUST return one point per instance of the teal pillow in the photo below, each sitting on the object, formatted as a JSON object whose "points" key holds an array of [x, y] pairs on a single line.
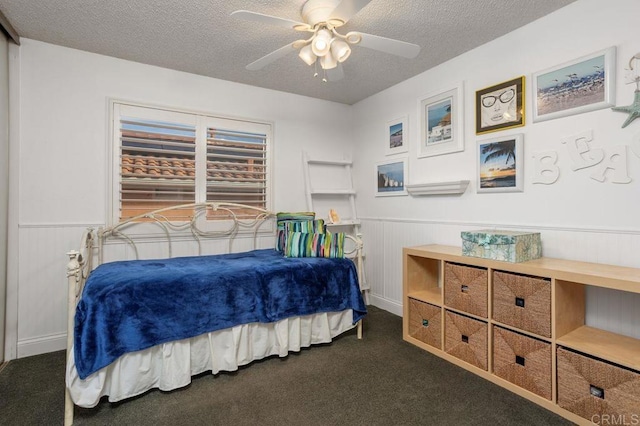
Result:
{"points": [[282, 218], [306, 244]]}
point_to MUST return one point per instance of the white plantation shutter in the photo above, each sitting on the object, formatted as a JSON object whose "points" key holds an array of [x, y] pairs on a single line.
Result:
{"points": [[237, 167], [166, 158], [157, 166]]}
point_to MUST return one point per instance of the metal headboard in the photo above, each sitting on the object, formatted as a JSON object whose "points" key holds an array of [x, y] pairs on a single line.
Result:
{"points": [[167, 225], [94, 240]]}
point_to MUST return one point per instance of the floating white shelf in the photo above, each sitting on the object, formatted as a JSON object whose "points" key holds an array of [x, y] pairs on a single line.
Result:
{"points": [[438, 188], [330, 162]]}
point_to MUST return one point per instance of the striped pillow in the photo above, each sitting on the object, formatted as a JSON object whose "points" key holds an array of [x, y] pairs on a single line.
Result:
{"points": [[305, 244], [308, 226], [282, 218]]}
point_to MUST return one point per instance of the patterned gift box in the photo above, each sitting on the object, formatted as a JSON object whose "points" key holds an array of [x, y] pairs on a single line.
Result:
{"points": [[509, 246]]}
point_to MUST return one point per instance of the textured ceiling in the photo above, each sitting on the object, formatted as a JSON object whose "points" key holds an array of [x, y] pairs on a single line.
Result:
{"points": [[200, 36]]}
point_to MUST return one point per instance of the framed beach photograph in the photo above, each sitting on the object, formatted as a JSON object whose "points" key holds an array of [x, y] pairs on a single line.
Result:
{"points": [[582, 85], [500, 164], [441, 122], [396, 136], [391, 177], [500, 107]]}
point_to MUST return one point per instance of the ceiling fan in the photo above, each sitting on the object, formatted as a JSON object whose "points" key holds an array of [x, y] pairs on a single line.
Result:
{"points": [[326, 47]]}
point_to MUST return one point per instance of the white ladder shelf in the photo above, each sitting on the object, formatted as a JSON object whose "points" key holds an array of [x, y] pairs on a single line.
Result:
{"points": [[344, 193], [331, 193]]}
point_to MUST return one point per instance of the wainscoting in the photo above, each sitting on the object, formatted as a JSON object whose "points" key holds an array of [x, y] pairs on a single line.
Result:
{"points": [[42, 285], [606, 309]]}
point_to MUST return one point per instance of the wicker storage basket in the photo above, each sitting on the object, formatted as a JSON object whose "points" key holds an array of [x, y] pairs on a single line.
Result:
{"points": [[465, 288], [523, 302], [593, 389], [425, 323], [523, 361], [466, 338]]}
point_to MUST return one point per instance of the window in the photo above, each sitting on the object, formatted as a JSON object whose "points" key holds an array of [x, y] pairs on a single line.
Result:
{"points": [[167, 158]]}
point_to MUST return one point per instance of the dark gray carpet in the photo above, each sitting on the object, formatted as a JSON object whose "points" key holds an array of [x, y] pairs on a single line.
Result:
{"points": [[380, 380]]}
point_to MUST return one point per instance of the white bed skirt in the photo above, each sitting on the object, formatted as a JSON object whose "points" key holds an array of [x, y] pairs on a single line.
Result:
{"points": [[170, 365]]}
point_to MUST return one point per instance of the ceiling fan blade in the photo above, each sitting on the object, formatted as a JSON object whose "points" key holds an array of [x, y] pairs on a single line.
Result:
{"points": [[347, 9], [389, 45], [247, 15], [271, 57], [335, 74]]}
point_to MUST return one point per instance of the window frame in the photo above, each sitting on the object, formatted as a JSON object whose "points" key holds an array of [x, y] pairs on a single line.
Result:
{"points": [[202, 121]]}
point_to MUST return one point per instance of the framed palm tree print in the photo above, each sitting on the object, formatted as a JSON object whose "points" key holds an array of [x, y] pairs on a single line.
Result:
{"points": [[500, 164]]}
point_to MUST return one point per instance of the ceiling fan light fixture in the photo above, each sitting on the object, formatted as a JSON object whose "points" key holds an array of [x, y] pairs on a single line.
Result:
{"points": [[321, 42], [328, 62], [340, 50], [307, 55], [353, 37], [326, 48], [301, 27]]}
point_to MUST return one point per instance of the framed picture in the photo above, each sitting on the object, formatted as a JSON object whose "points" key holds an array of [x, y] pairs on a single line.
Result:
{"points": [[500, 164], [391, 177], [582, 85], [396, 136], [441, 123], [500, 107]]}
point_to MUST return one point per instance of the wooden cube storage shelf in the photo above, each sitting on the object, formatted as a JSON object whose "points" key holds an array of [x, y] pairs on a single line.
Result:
{"points": [[556, 291]]}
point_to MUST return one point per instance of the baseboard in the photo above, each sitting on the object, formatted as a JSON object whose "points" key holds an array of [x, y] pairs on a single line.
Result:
{"points": [[42, 345], [386, 304]]}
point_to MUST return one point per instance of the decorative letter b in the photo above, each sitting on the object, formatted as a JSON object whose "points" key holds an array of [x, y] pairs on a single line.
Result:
{"points": [[545, 172]]}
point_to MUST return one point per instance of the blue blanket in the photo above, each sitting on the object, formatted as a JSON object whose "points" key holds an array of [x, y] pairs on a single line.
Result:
{"points": [[133, 305]]}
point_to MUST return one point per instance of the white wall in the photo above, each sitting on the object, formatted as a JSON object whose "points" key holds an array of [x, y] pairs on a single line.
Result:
{"points": [[579, 217], [63, 147]]}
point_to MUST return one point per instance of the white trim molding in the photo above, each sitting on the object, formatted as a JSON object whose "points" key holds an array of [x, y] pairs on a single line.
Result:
{"points": [[386, 304], [11, 319], [42, 345]]}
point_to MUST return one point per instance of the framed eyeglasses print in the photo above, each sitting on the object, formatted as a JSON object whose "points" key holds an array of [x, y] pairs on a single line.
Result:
{"points": [[500, 106]]}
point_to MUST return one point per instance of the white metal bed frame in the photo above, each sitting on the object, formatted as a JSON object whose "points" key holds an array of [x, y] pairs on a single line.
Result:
{"points": [[81, 261]]}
